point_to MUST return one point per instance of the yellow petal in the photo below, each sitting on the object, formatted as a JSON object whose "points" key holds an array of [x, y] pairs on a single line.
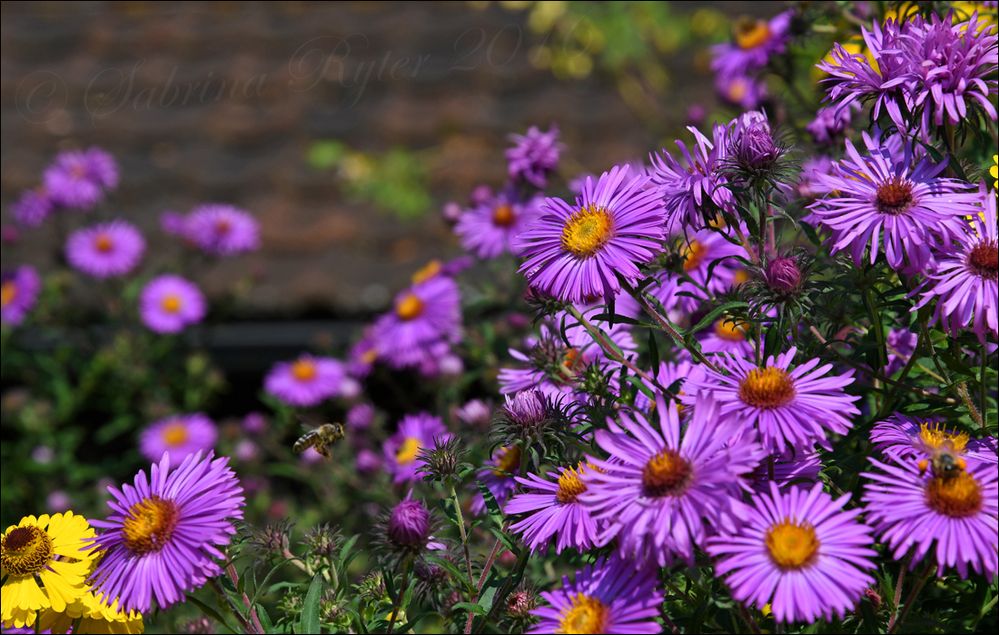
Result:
{"points": [[61, 592]]}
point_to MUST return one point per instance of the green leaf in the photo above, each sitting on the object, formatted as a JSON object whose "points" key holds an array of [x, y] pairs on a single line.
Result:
{"points": [[211, 612], [309, 620], [715, 313]]}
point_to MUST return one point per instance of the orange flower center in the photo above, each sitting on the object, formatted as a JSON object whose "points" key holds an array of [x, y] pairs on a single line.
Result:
{"points": [[792, 546], [586, 614], [507, 461], [693, 255], [171, 303], [587, 231], [427, 271], [8, 292], [955, 495], [767, 388], [730, 330], [25, 550], [503, 216], [751, 33], [175, 434], [103, 243], [666, 474], [149, 525], [934, 436], [570, 485], [304, 370], [409, 307]]}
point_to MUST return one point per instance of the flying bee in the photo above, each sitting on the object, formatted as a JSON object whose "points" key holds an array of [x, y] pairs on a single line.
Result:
{"points": [[322, 439], [945, 460]]}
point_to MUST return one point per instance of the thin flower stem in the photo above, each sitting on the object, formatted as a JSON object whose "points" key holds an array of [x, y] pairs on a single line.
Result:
{"points": [[894, 625], [482, 582], [747, 618], [461, 531], [500, 598], [245, 623], [231, 572], [610, 349], [878, 326], [961, 388], [400, 592]]}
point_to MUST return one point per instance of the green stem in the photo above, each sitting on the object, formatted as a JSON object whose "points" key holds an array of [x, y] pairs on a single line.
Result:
{"points": [[961, 388], [461, 532], [400, 592], [610, 349], [879, 331], [500, 598]]}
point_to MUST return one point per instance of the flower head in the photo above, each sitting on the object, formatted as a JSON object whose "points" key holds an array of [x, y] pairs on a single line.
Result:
{"points": [[222, 230], [553, 511], [489, 229], [180, 435], [106, 250], [903, 438], [498, 476], [576, 252], [753, 43], [18, 294], [409, 525], [830, 123], [755, 154], [534, 156], [693, 185], [165, 532], [402, 450], [307, 381], [783, 275], [170, 303], [33, 207], [79, 179], [424, 321], [799, 551]]}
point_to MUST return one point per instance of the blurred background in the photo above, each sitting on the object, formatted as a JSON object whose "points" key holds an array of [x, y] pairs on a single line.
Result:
{"points": [[343, 127]]}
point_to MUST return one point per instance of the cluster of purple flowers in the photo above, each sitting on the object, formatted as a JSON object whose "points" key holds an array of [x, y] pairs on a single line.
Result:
{"points": [[738, 64], [78, 180]]}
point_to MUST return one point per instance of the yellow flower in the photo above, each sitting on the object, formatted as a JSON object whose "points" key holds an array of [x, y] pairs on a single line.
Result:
{"points": [[95, 615], [28, 555]]}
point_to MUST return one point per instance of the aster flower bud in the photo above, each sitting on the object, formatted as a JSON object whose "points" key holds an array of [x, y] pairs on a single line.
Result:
{"points": [[323, 541], [409, 525], [755, 155], [451, 212], [443, 461], [520, 603], [783, 275], [532, 415]]}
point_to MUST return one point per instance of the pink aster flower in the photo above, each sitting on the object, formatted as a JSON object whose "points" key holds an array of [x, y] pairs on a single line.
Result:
{"points": [[693, 185], [19, 291], [402, 450], [489, 229], [307, 381], [222, 230], [106, 250], [79, 179], [754, 42], [534, 156], [425, 319], [180, 435], [169, 303]]}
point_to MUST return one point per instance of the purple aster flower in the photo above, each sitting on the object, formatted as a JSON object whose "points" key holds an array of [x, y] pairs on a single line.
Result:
{"points": [[170, 303], [901, 345], [710, 261], [554, 511], [79, 179], [958, 512], [608, 596], [576, 252], [360, 416], [362, 355], [19, 291], [951, 67], [693, 185], [368, 462], [180, 435], [498, 477], [799, 551], [743, 91], [664, 486], [786, 470], [489, 229], [754, 43], [534, 156], [402, 449], [671, 376], [475, 413], [425, 318], [106, 250], [830, 123], [222, 230], [791, 408], [895, 196], [33, 208], [409, 525], [254, 423], [727, 335], [903, 438], [964, 281], [173, 223], [165, 532], [808, 183], [307, 381]]}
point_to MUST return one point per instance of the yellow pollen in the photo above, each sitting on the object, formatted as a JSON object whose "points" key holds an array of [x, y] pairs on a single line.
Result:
{"points": [[8, 292], [25, 551], [570, 485], [171, 303], [427, 271], [957, 495], [693, 255], [409, 307], [767, 388], [507, 461], [934, 436], [587, 614], [303, 370], [149, 525], [751, 33], [792, 546], [587, 231], [730, 330], [408, 451], [741, 277], [666, 474], [503, 216], [175, 434], [103, 243]]}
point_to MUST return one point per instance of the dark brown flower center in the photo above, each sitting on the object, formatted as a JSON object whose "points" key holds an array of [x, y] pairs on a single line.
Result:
{"points": [[984, 260], [503, 216], [894, 197], [25, 550]]}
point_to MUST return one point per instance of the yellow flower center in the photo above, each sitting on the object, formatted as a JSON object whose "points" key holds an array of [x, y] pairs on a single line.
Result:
{"points": [[741, 277], [103, 243], [767, 388], [409, 307], [666, 474], [587, 231], [408, 451], [693, 255], [149, 525], [586, 614], [25, 551], [304, 370], [572, 360], [730, 330], [427, 271], [175, 434], [934, 436], [171, 303], [737, 89], [570, 485], [503, 216], [507, 461], [751, 33], [792, 546], [8, 291], [955, 495]]}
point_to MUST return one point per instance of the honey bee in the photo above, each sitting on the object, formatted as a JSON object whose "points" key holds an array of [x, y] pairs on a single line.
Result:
{"points": [[945, 460], [322, 439]]}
